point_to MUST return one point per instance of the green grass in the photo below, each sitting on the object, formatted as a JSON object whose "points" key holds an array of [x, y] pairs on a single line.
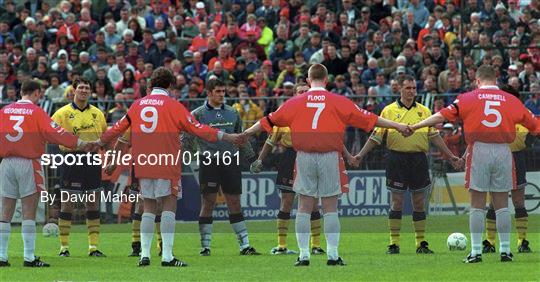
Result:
{"points": [[363, 246]]}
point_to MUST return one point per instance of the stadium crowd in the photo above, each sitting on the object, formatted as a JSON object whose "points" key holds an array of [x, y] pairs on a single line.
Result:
{"points": [[261, 49]]}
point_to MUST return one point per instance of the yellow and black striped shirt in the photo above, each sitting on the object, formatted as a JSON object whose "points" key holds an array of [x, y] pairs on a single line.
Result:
{"points": [[88, 123], [398, 112]]}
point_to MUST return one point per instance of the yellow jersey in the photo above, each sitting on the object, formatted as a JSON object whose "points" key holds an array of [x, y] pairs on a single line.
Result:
{"points": [[398, 112], [281, 135], [88, 123], [519, 142]]}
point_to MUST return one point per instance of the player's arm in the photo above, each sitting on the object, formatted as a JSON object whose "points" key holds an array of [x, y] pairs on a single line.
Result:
{"points": [[116, 130], [529, 121], [122, 145], [55, 134], [282, 117], [189, 124], [430, 121]]}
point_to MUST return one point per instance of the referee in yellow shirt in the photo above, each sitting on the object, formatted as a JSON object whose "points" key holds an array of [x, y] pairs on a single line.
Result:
{"points": [[518, 194], [88, 123], [407, 164]]}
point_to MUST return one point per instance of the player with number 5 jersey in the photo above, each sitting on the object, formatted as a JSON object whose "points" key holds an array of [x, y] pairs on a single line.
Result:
{"points": [[489, 116]]}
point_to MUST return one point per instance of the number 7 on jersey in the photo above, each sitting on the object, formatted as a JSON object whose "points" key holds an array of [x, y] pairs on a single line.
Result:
{"points": [[320, 108]]}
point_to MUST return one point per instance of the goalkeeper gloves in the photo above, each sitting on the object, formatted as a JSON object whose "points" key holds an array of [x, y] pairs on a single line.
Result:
{"points": [[256, 166]]}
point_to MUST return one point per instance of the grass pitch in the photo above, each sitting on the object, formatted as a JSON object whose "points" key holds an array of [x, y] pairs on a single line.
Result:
{"points": [[363, 246]]}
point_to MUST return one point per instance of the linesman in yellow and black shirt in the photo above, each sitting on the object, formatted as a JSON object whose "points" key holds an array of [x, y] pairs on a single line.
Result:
{"points": [[88, 123], [518, 195], [407, 163]]}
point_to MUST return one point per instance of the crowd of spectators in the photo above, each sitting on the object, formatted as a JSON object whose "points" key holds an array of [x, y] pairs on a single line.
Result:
{"points": [[263, 48]]}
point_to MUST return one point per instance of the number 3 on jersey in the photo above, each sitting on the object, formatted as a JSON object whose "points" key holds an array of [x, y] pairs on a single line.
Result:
{"points": [[149, 115], [320, 108], [490, 111], [17, 127]]}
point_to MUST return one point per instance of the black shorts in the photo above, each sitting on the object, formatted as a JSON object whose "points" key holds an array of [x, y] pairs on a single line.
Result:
{"points": [[213, 176], [407, 171], [285, 171], [81, 177], [520, 165]]}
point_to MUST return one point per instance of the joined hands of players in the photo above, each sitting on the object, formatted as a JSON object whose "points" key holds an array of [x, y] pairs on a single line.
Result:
{"points": [[89, 146], [235, 139]]}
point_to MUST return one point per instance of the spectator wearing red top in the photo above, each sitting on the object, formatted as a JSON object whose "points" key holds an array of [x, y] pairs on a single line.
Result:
{"points": [[250, 26], [128, 85], [200, 42], [224, 57]]}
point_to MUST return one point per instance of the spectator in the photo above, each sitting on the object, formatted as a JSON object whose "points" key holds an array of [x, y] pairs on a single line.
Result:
{"points": [[333, 63], [533, 104], [119, 110], [370, 74], [158, 56], [383, 90], [129, 85], [387, 63], [249, 112], [341, 87], [116, 72], [290, 74], [197, 68]]}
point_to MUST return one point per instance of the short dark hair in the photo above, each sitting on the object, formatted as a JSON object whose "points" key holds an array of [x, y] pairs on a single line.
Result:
{"points": [[81, 80], [29, 86], [486, 73], [405, 78], [214, 83], [162, 77], [317, 72]]}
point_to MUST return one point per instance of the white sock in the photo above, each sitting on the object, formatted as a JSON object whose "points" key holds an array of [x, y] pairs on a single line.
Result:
{"points": [[5, 231], [332, 231], [168, 222], [147, 233], [504, 225], [303, 232], [476, 225], [28, 231]]}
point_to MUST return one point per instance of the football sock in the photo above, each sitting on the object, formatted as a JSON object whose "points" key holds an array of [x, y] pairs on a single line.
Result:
{"points": [[64, 227], [147, 233], [92, 222], [476, 226], [491, 227], [239, 226], [28, 230], [5, 231], [394, 223], [168, 222], [282, 228], [157, 222], [419, 223], [205, 229], [135, 228], [522, 219], [504, 225], [315, 229], [302, 224], [332, 231]]}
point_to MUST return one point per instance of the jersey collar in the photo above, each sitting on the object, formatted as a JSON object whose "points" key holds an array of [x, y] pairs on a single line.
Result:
{"points": [[159, 91], [77, 107], [208, 107], [317, 89], [489, 87], [24, 101], [403, 105]]}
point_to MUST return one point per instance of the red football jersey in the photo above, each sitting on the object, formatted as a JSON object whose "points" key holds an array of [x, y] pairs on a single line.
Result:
{"points": [[156, 122], [318, 120], [25, 129], [490, 115]]}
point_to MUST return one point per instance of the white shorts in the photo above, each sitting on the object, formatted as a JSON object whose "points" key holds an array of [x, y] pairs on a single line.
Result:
{"points": [[489, 168], [320, 174], [21, 177], [156, 188]]}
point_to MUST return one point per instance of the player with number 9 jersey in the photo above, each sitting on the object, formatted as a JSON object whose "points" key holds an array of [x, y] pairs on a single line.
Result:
{"points": [[156, 121]]}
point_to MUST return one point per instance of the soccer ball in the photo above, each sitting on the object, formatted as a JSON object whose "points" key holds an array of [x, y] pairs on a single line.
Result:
{"points": [[50, 230], [456, 242]]}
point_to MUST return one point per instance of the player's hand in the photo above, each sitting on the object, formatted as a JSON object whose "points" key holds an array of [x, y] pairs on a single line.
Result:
{"points": [[256, 166], [457, 163], [109, 169], [404, 129], [234, 139], [352, 160], [359, 158]]}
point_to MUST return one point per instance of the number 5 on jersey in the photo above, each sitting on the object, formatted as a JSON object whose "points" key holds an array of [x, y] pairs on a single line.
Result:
{"points": [[489, 111], [320, 108]]}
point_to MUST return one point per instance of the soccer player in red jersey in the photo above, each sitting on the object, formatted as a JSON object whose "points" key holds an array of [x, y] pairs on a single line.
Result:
{"points": [[318, 120], [24, 130], [489, 118], [156, 122]]}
